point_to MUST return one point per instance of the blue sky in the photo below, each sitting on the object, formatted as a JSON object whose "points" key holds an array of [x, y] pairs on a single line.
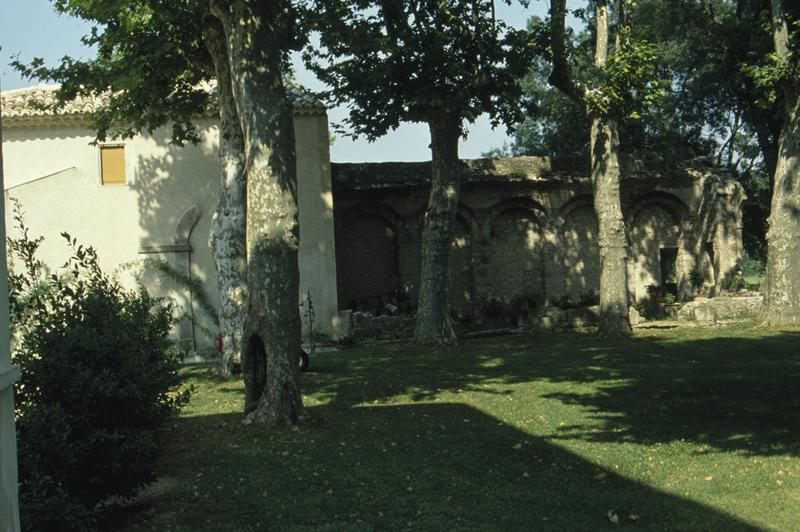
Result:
{"points": [[30, 28]]}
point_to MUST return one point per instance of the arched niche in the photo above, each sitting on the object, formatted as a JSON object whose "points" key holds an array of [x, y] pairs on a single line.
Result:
{"points": [[366, 260], [580, 250], [515, 252], [654, 251]]}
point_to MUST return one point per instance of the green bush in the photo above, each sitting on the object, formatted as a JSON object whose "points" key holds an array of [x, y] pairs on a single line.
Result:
{"points": [[563, 303], [733, 281], [697, 277], [589, 298], [99, 380]]}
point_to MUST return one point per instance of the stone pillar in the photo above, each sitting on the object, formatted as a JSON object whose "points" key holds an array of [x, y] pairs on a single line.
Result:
{"points": [[409, 247], [317, 254], [9, 502], [553, 268], [481, 261], [729, 229], [686, 261]]}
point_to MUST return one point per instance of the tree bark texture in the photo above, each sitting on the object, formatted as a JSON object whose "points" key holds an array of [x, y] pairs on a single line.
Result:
{"points": [[433, 323], [782, 298], [605, 174], [227, 235], [257, 32]]}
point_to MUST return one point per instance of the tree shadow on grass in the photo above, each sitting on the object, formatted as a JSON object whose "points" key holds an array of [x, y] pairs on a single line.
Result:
{"points": [[437, 466], [734, 394], [735, 391]]}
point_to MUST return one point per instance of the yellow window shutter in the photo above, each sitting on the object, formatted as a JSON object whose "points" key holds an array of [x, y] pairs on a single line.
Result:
{"points": [[112, 165]]}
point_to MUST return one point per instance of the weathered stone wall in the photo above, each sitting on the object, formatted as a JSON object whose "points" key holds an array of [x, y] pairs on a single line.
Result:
{"points": [[526, 228], [581, 256]]}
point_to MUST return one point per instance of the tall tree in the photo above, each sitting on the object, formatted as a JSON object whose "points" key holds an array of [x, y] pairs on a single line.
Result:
{"points": [[150, 81], [620, 84], [783, 237], [227, 232], [438, 63], [707, 52], [257, 36]]}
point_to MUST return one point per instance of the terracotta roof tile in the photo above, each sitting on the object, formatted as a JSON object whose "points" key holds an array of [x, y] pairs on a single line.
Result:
{"points": [[26, 106]]}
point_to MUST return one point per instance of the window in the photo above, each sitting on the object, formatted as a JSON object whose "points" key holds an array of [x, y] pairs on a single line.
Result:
{"points": [[112, 165]]}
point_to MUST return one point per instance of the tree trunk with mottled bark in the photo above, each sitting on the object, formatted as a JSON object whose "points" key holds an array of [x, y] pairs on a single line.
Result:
{"points": [[605, 173], [257, 33], [605, 170], [227, 234], [604, 148], [782, 297], [433, 323]]}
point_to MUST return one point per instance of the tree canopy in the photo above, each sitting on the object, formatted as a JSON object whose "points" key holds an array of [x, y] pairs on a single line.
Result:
{"points": [[395, 61]]}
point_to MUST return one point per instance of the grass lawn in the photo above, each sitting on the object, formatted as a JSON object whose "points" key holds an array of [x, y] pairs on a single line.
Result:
{"points": [[690, 429]]}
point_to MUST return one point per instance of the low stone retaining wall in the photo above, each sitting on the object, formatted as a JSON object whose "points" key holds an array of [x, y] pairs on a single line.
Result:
{"points": [[369, 328], [721, 308], [555, 319]]}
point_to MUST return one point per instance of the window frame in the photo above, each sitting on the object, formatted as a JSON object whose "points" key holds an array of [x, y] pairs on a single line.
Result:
{"points": [[128, 166]]}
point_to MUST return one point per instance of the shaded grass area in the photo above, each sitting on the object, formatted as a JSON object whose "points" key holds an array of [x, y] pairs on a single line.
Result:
{"points": [[691, 429]]}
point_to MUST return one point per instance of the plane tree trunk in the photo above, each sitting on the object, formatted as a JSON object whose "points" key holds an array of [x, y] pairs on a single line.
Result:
{"points": [[782, 301], [227, 234], [604, 147], [433, 323], [605, 171], [257, 33]]}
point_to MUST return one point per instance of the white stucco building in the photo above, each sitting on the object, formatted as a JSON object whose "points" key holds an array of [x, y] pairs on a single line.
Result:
{"points": [[145, 198]]}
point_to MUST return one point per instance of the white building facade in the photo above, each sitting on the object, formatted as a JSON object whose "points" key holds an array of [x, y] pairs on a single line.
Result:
{"points": [[143, 198]]}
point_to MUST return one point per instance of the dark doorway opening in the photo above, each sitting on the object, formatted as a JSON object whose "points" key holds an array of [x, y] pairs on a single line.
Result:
{"points": [[668, 258]]}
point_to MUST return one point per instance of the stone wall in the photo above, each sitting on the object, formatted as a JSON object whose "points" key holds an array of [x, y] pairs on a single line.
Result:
{"points": [[526, 229]]}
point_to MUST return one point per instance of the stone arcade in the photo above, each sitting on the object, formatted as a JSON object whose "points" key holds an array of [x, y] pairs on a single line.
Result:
{"points": [[525, 226]]}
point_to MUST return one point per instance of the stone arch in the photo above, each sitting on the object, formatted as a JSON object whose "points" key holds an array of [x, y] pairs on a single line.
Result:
{"points": [[185, 225], [515, 249], [677, 209], [366, 260], [580, 251], [578, 202], [380, 209], [465, 213], [523, 204], [655, 225]]}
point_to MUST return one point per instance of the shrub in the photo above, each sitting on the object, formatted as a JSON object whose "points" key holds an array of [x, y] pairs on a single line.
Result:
{"points": [[589, 298], [733, 281], [493, 308], [697, 277], [752, 267], [99, 379], [563, 303], [193, 285], [523, 304]]}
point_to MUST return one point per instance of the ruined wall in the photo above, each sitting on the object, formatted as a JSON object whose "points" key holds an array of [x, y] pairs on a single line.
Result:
{"points": [[580, 252], [526, 228]]}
